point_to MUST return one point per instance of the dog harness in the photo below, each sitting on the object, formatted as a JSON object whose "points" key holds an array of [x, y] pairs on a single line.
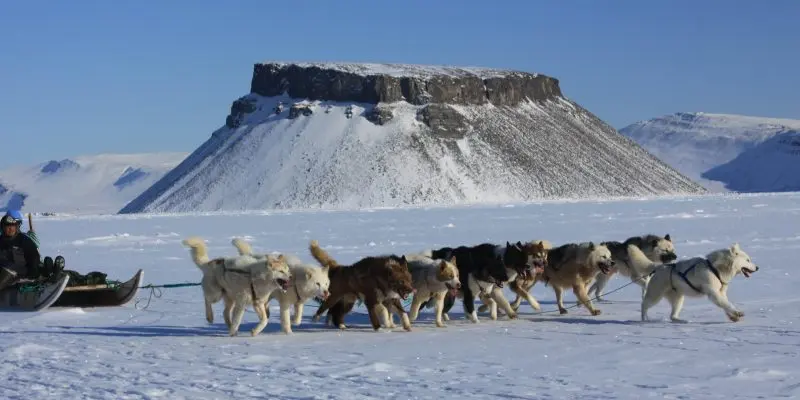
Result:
{"points": [[684, 274]]}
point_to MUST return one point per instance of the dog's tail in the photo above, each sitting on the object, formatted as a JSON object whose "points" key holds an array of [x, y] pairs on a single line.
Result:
{"points": [[198, 250], [242, 246], [639, 262], [322, 256]]}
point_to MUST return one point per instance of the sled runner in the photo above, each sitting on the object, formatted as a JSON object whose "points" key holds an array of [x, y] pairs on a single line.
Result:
{"points": [[32, 296], [111, 294]]}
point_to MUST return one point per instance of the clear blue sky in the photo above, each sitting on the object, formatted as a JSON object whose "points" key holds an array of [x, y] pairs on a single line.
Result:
{"points": [[85, 77]]}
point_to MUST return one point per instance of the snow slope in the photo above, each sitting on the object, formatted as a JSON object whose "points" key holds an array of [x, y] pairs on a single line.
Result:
{"points": [[88, 184], [536, 150], [167, 350], [696, 143]]}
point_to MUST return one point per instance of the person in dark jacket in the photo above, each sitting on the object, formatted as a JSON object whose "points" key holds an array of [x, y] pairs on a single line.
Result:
{"points": [[19, 254]]}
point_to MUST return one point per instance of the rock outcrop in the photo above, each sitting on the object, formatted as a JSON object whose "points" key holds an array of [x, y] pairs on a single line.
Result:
{"points": [[376, 83]]}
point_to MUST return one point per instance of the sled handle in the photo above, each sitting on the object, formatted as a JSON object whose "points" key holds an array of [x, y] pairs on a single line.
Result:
{"points": [[30, 222]]}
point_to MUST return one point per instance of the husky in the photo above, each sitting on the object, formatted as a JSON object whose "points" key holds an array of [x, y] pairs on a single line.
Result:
{"points": [[573, 266], [308, 282], [480, 269], [537, 251], [657, 249], [521, 263], [707, 276], [238, 281], [432, 279], [375, 279]]}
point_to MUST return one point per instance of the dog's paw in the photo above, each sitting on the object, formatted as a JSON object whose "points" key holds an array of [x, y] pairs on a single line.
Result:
{"points": [[316, 317], [596, 312], [342, 326], [735, 316], [679, 321], [483, 308], [445, 317], [562, 311], [441, 325], [513, 316]]}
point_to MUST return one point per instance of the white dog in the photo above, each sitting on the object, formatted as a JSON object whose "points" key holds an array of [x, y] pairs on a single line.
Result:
{"points": [[308, 281], [694, 277], [238, 281]]}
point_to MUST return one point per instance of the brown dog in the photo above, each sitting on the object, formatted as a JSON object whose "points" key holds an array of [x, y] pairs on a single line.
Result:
{"points": [[379, 279]]}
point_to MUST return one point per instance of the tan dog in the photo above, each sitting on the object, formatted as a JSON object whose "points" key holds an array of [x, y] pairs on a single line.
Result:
{"points": [[574, 266], [239, 281], [432, 279], [308, 281]]}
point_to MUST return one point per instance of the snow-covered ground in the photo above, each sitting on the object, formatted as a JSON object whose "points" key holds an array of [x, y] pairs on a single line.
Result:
{"points": [[92, 184], [724, 151], [169, 351]]}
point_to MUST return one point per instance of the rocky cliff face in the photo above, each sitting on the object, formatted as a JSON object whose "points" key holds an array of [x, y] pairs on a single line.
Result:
{"points": [[356, 135], [372, 83], [418, 85]]}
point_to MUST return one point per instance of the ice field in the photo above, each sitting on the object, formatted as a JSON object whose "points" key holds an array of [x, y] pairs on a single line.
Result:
{"points": [[168, 350]]}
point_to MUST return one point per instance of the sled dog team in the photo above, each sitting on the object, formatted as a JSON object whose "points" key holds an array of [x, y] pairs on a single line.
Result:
{"points": [[467, 272]]}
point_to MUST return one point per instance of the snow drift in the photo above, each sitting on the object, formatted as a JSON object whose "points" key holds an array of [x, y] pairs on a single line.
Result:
{"points": [[88, 184], [724, 152], [365, 135]]}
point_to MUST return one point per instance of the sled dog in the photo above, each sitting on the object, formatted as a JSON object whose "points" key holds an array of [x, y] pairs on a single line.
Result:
{"points": [[308, 281], [238, 281], [707, 276], [432, 279], [480, 269], [573, 266], [375, 279], [537, 251], [658, 249], [521, 263]]}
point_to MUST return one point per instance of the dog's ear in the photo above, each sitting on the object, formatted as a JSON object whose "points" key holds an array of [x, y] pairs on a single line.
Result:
{"points": [[591, 246], [453, 260], [666, 237], [735, 248], [519, 245], [403, 259], [443, 265]]}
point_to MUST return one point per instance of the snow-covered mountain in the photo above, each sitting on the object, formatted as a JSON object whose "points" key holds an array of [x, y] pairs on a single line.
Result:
{"points": [[365, 135], [87, 184], [725, 152]]}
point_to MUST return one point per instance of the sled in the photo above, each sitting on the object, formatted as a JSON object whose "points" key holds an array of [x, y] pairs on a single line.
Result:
{"points": [[104, 295], [32, 296]]}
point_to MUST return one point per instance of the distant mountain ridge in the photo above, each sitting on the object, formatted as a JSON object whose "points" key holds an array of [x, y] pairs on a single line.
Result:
{"points": [[722, 151], [87, 184]]}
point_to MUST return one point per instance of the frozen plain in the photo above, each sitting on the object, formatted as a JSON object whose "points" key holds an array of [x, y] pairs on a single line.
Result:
{"points": [[169, 351]]}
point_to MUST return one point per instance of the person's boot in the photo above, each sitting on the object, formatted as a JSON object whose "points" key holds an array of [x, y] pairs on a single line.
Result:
{"points": [[47, 266], [59, 263], [7, 278]]}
